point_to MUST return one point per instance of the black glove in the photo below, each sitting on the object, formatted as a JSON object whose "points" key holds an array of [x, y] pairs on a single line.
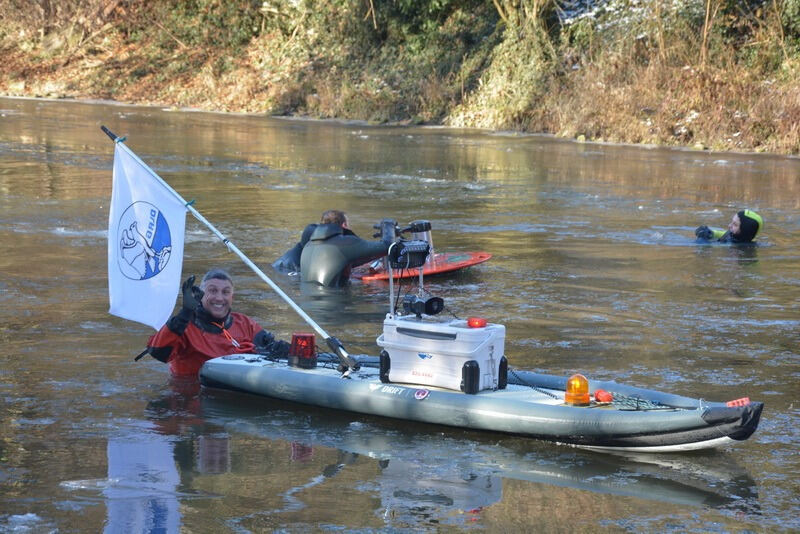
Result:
{"points": [[280, 348], [704, 232], [267, 345], [276, 349], [192, 295]]}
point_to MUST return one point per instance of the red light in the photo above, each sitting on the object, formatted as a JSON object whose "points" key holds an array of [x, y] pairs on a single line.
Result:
{"points": [[476, 322], [744, 401], [302, 345]]}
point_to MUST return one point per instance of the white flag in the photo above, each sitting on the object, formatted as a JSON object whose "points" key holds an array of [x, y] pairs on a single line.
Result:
{"points": [[146, 227]]}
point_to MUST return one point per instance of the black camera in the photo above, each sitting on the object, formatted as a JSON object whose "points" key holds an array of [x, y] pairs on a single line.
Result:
{"points": [[408, 254], [417, 227], [417, 306]]}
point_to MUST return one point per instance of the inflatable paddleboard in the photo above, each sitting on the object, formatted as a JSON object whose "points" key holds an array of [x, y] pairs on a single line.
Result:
{"points": [[531, 405], [454, 372], [441, 262]]}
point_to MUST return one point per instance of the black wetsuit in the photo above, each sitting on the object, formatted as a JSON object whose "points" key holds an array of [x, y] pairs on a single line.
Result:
{"points": [[332, 252], [290, 261]]}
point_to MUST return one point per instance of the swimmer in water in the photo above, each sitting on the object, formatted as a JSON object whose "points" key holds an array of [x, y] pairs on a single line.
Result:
{"points": [[743, 228]]}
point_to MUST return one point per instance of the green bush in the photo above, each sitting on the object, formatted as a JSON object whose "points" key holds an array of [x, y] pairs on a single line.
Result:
{"points": [[790, 17]]}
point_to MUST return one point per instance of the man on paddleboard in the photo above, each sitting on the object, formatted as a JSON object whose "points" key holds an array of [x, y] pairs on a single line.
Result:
{"points": [[206, 328], [743, 228]]}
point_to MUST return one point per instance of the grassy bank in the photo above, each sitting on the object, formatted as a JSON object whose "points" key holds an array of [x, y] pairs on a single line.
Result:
{"points": [[712, 74]]}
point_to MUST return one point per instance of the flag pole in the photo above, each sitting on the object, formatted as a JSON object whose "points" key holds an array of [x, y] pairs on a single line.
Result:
{"points": [[331, 341]]}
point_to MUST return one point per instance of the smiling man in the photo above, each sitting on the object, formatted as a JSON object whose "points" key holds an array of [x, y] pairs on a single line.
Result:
{"points": [[206, 328]]}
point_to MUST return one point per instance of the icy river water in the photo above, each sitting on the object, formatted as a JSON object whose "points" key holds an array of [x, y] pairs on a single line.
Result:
{"points": [[594, 269]]}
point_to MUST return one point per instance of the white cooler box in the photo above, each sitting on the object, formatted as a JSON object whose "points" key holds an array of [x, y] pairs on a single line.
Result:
{"points": [[446, 354]]}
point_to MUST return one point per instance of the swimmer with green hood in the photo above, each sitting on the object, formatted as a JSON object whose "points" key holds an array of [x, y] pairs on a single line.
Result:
{"points": [[744, 227]]}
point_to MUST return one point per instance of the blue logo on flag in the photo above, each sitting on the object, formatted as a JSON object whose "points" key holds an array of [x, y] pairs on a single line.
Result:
{"points": [[144, 241], [424, 356]]}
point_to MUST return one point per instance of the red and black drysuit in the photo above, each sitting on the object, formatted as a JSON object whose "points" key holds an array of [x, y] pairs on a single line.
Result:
{"points": [[189, 339]]}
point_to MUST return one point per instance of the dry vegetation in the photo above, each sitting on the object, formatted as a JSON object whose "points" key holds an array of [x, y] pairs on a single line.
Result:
{"points": [[720, 74]]}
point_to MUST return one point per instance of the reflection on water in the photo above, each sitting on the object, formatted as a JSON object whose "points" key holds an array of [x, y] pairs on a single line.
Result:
{"points": [[473, 476], [140, 496], [594, 269]]}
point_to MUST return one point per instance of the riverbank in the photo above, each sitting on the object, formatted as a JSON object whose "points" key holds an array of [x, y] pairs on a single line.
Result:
{"points": [[588, 77]]}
